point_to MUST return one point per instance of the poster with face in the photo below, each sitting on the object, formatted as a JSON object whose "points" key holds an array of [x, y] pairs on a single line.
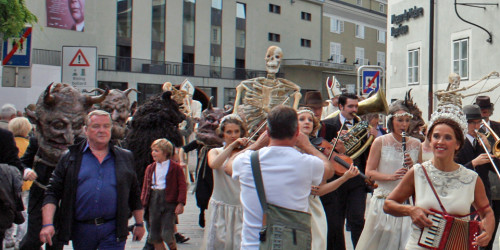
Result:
{"points": [[66, 14]]}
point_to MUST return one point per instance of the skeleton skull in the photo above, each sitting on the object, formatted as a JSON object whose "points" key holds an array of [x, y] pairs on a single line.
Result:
{"points": [[273, 59]]}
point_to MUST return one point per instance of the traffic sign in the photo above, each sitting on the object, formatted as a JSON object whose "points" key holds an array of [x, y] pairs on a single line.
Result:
{"points": [[79, 66], [371, 81], [17, 51]]}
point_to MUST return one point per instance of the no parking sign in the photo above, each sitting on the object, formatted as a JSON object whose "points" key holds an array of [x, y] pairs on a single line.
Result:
{"points": [[371, 81]]}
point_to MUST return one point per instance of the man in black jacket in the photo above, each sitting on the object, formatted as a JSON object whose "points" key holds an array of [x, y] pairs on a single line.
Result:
{"points": [[8, 150], [349, 200], [486, 111], [94, 212]]}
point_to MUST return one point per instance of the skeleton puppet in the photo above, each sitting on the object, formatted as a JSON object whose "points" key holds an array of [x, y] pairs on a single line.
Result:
{"points": [[264, 93]]}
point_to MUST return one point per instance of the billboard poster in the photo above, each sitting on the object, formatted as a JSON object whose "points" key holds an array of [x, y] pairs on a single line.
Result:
{"points": [[66, 14]]}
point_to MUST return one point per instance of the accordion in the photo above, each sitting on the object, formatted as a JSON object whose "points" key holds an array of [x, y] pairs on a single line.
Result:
{"points": [[449, 232]]}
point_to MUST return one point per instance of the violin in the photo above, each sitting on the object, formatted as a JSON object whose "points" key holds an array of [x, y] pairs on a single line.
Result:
{"points": [[340, 162]]}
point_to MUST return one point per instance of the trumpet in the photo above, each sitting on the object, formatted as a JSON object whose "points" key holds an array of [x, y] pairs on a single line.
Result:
{"points": [[495, 149], [487, 151]]}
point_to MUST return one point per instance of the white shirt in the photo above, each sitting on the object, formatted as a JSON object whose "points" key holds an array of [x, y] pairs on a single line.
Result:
{"points": [[343, 120], [160, 175], [287, 175], [471, 139]]}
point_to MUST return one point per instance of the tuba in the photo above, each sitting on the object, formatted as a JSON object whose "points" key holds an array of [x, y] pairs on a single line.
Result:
{"points": [[358, 138]]}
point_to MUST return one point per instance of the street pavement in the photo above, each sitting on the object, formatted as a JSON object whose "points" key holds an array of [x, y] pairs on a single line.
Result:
{"points": [[188, 225]]}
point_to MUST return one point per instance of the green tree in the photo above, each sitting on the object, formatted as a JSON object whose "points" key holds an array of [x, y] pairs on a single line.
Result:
{"points": [[13, 17]]}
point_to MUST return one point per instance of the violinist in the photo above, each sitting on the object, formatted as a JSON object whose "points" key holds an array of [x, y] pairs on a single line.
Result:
{"points": [[349, 200], [309, 125], [225, 214], [387, 164]]}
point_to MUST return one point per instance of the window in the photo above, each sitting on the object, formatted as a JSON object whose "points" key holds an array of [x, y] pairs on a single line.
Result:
{"points": [[274, 8], [380, 36], [305, 43], [359, 56], [460, 59], [360, 31], [216, 34], [336, 26], [381, 59], [335, 50], [359, 2], [382, 8], [273, 37], [413, 64], [305, 16]]}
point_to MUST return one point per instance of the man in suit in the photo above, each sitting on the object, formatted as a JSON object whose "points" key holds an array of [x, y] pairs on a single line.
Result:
{"points": [[349, 200], [77, 11], [472, 155], [486, 111]]}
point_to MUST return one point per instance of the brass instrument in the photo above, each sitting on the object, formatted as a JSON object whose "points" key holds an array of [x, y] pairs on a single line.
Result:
{"points": [[358, 138], [495, 149], [487, 152], [375, 104]]}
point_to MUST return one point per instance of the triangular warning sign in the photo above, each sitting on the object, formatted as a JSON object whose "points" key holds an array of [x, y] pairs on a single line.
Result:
{"points": [[79, 60]]}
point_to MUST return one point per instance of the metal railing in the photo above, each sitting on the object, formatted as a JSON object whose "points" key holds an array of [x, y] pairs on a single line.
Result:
{"points": [[134, 65]]}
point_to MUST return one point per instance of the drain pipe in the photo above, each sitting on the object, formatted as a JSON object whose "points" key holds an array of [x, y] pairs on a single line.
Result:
{"points": [[431, 59]]}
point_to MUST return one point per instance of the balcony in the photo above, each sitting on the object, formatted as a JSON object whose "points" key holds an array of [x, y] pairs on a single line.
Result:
{"points": [[134, 65]]}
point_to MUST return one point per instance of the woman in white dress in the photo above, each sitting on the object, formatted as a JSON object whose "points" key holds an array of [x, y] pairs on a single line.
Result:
{"points": [[386, 165], [309, 125], [456, 186], [225, 214]]}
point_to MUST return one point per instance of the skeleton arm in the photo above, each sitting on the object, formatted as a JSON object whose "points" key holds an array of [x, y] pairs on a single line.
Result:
{"points": [[484, 91], [237, 100], [296, 95]]}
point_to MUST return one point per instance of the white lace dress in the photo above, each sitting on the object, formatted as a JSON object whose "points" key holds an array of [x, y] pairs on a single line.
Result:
{"points": [[455, 190], [225, 214], [383, 231]]}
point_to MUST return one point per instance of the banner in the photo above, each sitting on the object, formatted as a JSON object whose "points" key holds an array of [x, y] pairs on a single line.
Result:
{"points": [[66, 14]]}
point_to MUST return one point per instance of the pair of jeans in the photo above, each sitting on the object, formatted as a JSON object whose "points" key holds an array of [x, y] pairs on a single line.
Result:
{"points": [[91, 236]]}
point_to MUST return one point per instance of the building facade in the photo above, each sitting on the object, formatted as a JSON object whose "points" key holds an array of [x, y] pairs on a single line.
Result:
{"points": [[214, 43], [427, 42]]}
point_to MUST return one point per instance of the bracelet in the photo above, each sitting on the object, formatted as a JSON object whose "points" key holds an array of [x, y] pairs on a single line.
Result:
{"points": [[139, 224], [47, 225]]}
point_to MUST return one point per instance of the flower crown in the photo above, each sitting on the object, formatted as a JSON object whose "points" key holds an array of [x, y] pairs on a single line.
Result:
{"points": [[305, 110], [231, 116], [399, 115], [452, 112]]}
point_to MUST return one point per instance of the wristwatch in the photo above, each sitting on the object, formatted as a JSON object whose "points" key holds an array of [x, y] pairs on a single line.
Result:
{"points": [[139, 224]]}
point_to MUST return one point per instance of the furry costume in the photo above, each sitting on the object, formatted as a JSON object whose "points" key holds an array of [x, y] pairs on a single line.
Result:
{"points": [[158, 118], [416, 122]]}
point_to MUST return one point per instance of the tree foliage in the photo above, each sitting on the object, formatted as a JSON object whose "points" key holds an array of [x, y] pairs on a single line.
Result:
{"points": [[13, 17]]}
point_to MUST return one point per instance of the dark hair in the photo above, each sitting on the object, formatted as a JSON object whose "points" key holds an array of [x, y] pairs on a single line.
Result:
{"points": [[343, 98], [459, 134], [282, 122], [232, 119], [395, 107]]}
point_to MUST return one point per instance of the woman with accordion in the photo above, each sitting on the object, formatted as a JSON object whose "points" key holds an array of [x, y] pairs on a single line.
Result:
{"points": [[443, 192]]}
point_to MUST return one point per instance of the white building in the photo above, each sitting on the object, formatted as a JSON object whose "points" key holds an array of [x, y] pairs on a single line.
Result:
{"points": [[462, 38], [142, 44]]}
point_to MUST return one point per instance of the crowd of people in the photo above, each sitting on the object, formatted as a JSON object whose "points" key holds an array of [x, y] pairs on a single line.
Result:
{"points": [[74, 168]]}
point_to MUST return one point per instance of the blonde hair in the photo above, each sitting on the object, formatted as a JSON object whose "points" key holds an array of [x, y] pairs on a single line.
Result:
{"points": [[20, 126], [165, 146], [316, 122], [98, 112]]}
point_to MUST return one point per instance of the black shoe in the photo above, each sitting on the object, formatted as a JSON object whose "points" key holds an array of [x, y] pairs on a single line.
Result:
{"points": [[179, 238], [201, 219]]}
